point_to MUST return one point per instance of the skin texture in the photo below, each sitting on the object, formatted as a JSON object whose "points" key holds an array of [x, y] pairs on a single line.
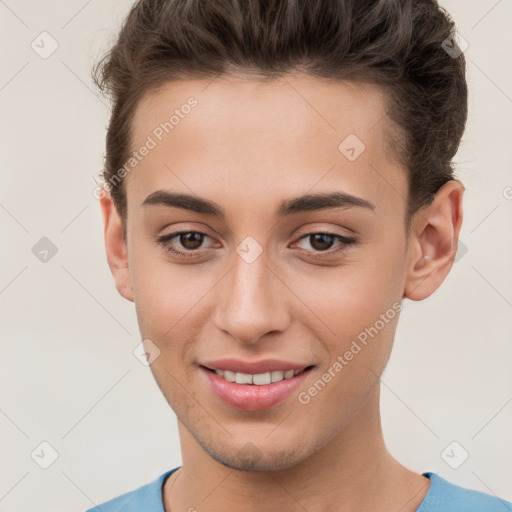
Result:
{"points": [[249, 145]]}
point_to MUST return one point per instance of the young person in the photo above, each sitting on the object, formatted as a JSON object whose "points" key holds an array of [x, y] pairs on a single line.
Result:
{"points": [[278, 179]]}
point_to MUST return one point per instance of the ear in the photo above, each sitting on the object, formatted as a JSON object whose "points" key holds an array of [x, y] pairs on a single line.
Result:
{"points": [[115, 245], [433, 241]]}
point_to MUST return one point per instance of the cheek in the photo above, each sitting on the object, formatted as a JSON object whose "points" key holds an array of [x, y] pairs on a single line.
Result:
{"points": [[353, 296], [171, 310], [362, 323], [361, 314], [358, 306], [164, 293]]}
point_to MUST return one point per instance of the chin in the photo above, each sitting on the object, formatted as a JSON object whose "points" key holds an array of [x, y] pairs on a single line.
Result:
{"points": [[251, 458]]}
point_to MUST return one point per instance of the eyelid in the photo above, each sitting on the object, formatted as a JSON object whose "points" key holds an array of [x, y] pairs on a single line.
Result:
{"points": [[324, 231]]}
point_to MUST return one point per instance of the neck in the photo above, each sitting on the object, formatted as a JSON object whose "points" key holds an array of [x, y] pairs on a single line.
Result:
{"points": [[353, 471]]}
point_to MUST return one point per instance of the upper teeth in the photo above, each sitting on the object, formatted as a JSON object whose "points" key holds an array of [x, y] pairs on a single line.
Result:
{"points": [[259, 379]]}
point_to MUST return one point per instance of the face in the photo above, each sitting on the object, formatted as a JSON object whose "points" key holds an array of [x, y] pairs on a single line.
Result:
{"points": [[267, 275]]}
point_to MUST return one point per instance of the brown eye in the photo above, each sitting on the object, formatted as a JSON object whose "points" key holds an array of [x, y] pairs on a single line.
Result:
{"points": [[321, 241], [191, 240]]}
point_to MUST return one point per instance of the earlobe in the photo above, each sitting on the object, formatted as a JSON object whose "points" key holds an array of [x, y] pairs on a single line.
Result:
{"points": [[433, 242], [115, 246]]}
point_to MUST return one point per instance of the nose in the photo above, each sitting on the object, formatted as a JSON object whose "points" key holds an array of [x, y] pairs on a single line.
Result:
{"points": [[251, 301]]}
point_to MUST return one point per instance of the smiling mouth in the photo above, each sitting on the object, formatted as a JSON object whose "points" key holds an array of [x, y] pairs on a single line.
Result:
{"points": [[259, 379]]}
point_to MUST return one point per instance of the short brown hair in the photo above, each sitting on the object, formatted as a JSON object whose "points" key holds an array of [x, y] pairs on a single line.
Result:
{"points": [[395, 44]]}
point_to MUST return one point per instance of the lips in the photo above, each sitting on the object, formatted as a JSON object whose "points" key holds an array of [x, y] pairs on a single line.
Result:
{"points": [[252, 397]]}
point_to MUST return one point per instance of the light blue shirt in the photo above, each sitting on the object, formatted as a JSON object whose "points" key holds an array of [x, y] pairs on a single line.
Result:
{"points": [[442, 496]]}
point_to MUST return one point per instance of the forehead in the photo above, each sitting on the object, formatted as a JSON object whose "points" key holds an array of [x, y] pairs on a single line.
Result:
{"points": [[281, 136]]}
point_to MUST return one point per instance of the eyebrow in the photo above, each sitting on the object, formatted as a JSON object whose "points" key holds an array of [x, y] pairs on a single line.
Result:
{"points": [[305, 203]]}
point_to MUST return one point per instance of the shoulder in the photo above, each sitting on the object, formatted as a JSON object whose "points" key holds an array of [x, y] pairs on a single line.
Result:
{"points": [[444, 496], [147, 497]]}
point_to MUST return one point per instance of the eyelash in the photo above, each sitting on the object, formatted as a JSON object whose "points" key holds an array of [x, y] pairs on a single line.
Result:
{"points": [[345, 242]]}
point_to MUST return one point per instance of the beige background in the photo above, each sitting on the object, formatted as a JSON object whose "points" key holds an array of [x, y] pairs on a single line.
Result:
{"points": [[67, 372]]}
